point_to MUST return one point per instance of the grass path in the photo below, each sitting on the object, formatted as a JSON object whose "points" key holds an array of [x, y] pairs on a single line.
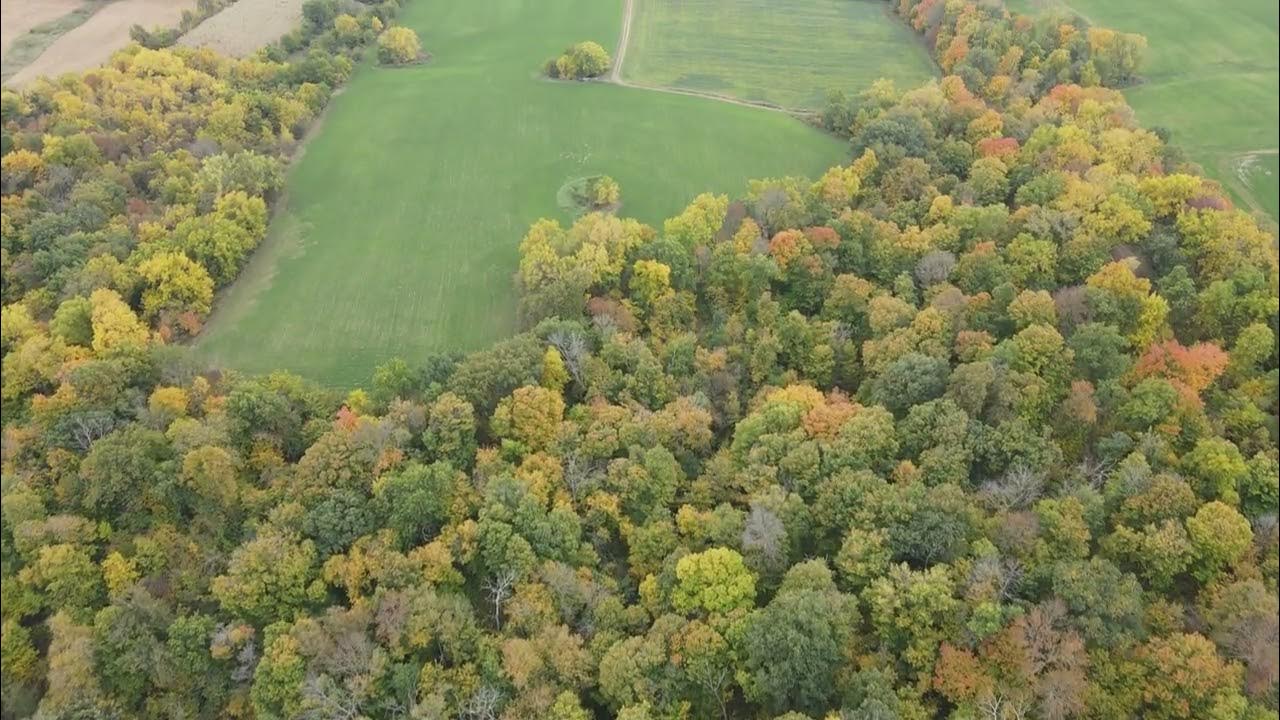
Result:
{"points": [[624, 39]]}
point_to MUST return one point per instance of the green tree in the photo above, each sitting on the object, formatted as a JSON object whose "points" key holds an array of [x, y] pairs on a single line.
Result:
{"points": [[1219, 537], [73, 321], [269, 578], [278, 677], [1217, 467], [795, 646], [418, 500], [451, 430], [66, 577], [912, 613], [910, 380], [128, 475]]}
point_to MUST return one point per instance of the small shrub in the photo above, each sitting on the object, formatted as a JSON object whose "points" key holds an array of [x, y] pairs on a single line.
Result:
{"points": [[603, 192], [595, 193], [155, 38]]}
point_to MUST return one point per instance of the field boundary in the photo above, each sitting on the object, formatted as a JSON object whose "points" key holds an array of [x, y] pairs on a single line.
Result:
{"points": [[284, 235], [708, 95]]}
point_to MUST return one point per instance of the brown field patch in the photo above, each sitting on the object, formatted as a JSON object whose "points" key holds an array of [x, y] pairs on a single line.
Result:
{"points": [[244, 27], [17, 17], [91, 44]]}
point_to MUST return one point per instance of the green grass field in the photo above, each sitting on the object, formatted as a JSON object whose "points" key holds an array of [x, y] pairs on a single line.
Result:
{"points": [[785, 52], [1211, 77], [404, 214]]}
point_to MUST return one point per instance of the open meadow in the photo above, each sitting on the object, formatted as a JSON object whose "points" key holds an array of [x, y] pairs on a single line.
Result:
{"points": [[1211, 76], [403, 217], [787, 53]]}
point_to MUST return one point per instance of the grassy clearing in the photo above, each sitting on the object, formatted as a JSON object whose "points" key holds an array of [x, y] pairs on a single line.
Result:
{"points": [[1212, 77], [29, 46], [785, 52], [406, 211]]}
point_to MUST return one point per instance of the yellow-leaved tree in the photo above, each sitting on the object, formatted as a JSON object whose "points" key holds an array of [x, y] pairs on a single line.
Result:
{"points": [[114, 324], [398, 46]]}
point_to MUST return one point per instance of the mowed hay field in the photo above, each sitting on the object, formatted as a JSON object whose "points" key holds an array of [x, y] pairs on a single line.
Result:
{"points": [[1212, 77], [784, 52], [405, 212], [242, 28], [93, 42]]}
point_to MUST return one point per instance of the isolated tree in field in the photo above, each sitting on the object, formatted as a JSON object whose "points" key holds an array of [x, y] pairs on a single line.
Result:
{"points": [[583, 60], [398, 46]]}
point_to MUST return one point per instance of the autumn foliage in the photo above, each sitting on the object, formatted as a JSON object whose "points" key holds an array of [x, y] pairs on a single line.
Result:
{"points": [[979, 424]]}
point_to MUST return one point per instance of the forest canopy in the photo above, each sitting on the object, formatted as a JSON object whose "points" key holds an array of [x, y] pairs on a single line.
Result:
{"points": [[981, 424]]}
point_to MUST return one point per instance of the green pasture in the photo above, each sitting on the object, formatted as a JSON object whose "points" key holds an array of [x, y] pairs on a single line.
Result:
{"points": [[400, 231], [1211, 77], [785, 52]]}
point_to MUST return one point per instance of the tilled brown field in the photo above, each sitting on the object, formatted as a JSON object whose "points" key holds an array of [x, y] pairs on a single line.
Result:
{"points": [[91, 44], [17, 17], [247, 25]]}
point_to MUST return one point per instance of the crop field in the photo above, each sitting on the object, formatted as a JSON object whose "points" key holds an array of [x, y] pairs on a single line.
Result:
{"points": [[240, 29], [404, 214], [19, 17], [28, 27], [92, 42], [784, 52], [1212, 77]]}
